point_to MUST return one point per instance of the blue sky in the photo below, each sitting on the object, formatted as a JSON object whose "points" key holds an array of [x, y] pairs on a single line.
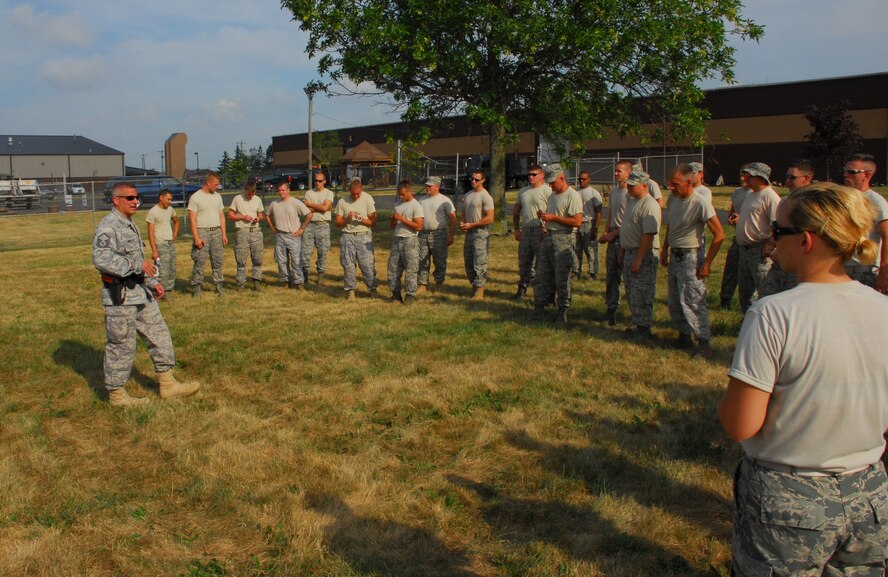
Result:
{"points": [[129, 74]]}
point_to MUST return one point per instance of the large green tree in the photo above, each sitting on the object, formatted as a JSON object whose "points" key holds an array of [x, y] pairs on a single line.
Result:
{"points": [[572, 70], [834, 136]]}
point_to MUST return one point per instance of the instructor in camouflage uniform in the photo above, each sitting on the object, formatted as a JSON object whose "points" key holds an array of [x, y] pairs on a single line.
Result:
{"points": [[558, 259], [129, 298]]}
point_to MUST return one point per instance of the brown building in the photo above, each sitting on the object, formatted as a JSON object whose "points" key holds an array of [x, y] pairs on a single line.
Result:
{"points": [[175, 151], [763, 123]]}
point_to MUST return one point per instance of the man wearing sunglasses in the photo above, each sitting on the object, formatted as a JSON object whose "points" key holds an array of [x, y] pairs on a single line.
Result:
{"points": [[317, 235], [759, 210], [859, 171], [477, 214], [800, 173], [532, 199], [129, 293]]}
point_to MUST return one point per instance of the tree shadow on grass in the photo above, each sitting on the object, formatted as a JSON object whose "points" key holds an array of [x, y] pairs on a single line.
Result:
{"points": [[608, 473], [578, 532], [385, 548], [87, 362]]}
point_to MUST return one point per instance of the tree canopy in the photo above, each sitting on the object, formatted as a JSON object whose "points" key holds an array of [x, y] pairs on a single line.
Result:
{"points": [[834, 136], [570, 70]]}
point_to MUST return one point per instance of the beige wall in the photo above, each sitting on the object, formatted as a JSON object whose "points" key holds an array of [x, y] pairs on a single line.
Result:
{"points": [[98, 166], [873, 124], [175, 150], [58, 166]]}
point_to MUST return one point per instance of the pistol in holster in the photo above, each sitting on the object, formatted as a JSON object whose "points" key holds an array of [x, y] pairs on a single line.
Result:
{"points": [[116, 286]]}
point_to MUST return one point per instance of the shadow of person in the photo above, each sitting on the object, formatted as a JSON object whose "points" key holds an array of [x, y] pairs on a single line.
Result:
{"points": [[604, 471], [385, 548], [579, 532], [87, 362]]}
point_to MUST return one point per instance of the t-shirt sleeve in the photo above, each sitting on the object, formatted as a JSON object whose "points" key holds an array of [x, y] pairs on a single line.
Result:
{"points": [[340, 208], [759, 348], [487, 203]]}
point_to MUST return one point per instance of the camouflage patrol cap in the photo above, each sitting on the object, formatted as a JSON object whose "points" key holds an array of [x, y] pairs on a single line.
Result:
{"points": [[553, 171], [433, 181], [759, 169], [696, 166], [637, 176]]}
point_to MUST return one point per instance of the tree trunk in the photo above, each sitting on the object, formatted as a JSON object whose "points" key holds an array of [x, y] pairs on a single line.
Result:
{"points": [[496, 180]]}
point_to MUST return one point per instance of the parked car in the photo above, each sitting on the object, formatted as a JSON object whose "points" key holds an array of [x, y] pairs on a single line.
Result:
{"points": [[74, 188], [298, 179], [149, 189]]}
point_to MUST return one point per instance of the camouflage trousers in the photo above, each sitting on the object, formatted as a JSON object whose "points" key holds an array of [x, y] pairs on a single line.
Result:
{"points": [[286, 254], [751, 271], [356, 250], [248, 243], [316, 235], [687, 295], [776, 281], [166, 252], [529, 254], [558, 260], [729, 276], [613, 276], [404, 260], [432, 247], [641, 287], [213, 250], [476, 253], [789, 524], [122, 324], [587, 245], [864, 274]]}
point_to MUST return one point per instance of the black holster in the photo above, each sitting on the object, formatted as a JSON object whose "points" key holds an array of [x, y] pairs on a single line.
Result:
{"points": [[116, 285]]}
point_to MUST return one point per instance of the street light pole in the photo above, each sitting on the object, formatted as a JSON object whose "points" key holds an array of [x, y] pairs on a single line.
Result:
{"points": [[310, 90]]}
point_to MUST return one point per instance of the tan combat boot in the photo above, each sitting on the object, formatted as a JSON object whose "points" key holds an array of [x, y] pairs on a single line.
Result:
{"points": [[170, 387], [478, 294], [120, 398]]}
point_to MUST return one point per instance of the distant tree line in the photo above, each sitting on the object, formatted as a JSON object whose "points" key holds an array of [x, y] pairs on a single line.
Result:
{"points": [[235, 169]]}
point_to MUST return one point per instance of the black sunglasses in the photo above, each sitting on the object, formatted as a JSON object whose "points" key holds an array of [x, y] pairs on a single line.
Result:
{"points": [[777, 231], [130, 198]]}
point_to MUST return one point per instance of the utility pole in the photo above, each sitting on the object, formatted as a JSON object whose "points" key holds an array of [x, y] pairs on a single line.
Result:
{"points": [[310, 89]]}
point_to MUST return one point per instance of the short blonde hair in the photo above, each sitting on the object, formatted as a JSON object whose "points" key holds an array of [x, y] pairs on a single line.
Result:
{"points": [[841, 216]]}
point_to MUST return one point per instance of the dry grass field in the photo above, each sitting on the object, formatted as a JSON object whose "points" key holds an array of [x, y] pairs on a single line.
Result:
{"points": [[448, 438]]}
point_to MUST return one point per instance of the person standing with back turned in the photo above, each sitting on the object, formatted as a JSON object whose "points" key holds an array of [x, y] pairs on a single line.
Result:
{"points": [[808, 400]]}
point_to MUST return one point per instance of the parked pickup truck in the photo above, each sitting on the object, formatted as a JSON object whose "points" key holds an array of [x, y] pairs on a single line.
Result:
{"points": [[19, 193], [149, 189]]}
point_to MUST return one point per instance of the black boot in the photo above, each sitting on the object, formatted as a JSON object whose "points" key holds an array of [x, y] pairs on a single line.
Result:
{"points": [[519, 294], [561, 316]]}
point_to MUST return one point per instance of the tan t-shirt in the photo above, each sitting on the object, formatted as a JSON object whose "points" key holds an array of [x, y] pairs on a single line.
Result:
{"points": [[320, 197], [162, 220], [251, 208], [207, 208], [686, 218], [758, 212], [287, 214], [436, 211], [364, 206], [642, 217], [533, 200], [475, 204], [411, 210], [568, 203]]}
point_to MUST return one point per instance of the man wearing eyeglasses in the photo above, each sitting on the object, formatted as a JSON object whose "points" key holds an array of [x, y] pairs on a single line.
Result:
{"points": [[587, 234], [320, 201], [759, 210], [207, 219], [531, 200], [859, 171], [129, 293], [477, 214], [800, 173]]}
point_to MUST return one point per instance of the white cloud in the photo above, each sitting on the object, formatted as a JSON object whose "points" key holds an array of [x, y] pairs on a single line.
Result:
{"points": [[76, 72], [56, 29], [224, 109]]}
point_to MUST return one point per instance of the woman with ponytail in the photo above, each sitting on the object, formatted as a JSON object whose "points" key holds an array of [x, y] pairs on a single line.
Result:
{"points": [[808, 400]]}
